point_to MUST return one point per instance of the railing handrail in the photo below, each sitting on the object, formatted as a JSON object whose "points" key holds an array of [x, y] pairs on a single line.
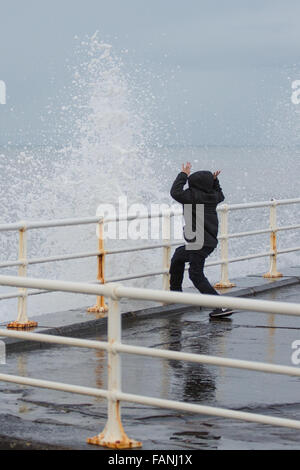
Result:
{"points": [[154, 352], [93, 220], [28, 225], [113, 435], [118, 291]]}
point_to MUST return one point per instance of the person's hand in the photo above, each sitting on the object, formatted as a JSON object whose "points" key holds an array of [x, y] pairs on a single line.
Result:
{"points": [[187, 168], [216, 174]]}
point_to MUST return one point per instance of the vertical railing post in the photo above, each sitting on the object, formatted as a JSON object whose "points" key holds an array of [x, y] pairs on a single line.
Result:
{"points": [[113, 435], [22, 321], [166, 236], [224, 282], [273, 273], [100, 306]]}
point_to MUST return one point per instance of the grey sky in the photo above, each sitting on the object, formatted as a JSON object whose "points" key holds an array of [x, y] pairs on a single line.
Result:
{"points": [[233, 62]]}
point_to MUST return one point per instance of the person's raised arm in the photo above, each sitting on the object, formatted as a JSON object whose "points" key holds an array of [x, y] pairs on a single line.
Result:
{"points": [[217, 186], [177, 192]]}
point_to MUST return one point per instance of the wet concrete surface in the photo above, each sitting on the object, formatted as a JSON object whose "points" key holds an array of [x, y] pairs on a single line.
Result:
{"points": [[36, 418]]}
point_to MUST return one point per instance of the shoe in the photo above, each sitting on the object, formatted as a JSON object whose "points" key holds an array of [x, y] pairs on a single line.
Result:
{"points": [[221, 313]]}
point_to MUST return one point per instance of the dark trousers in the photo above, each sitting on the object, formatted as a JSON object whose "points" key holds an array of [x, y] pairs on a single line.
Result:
{"points": [[196, 258]]}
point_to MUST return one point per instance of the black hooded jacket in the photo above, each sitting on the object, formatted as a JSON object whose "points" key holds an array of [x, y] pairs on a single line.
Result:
{"points": [[203, 189]]}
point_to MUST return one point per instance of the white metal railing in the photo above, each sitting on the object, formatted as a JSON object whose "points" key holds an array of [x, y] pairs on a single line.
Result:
{"points": [[113, 434], [101, 253]]}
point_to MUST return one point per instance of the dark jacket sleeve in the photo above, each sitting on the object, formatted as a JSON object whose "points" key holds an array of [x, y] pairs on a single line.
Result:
{"points": [[218, 188], [178, 193]]}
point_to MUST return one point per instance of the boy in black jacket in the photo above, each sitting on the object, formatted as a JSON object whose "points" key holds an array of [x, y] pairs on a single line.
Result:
{"points": [[204, 188]]}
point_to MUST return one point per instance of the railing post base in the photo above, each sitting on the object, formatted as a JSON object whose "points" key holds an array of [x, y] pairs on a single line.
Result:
{"points": [[114, 437], [98, 309], [272, 275], [224, 285], [27, 325]]}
